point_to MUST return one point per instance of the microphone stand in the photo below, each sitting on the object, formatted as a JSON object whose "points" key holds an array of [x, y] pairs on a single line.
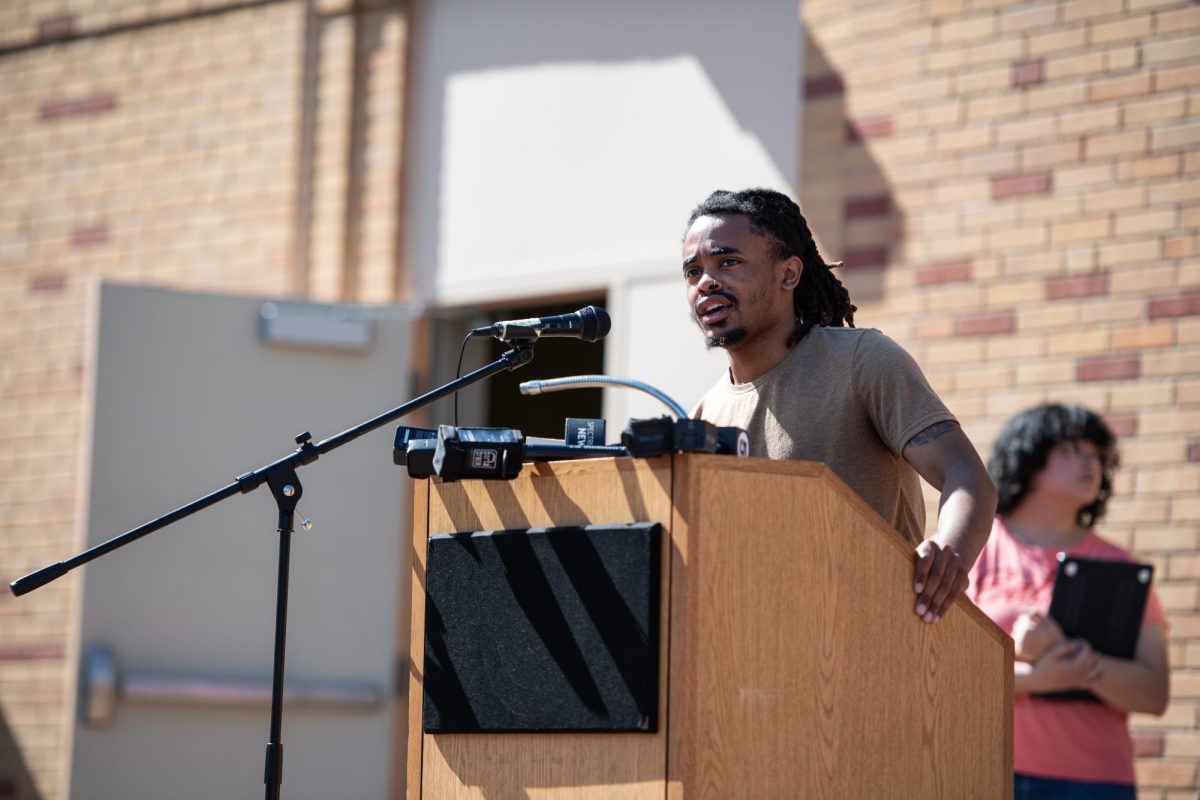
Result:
{"points": [[280, 476]]}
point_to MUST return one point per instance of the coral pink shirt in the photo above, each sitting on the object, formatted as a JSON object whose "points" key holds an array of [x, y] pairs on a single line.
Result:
{"points": [[1072, 739]]}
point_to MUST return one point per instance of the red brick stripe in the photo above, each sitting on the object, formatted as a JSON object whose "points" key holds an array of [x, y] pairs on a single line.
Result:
{"points": [[1028, 73], [95, 104], [986, 323], [878, 205], [1184, 304], [865, 258], [824, 86], [1108, 368], [872, 128], [1071, 286], [97, 234], [31, 652], [945, 272], [59, 26], [1122, 425], [48, 283], [1015, 185]]}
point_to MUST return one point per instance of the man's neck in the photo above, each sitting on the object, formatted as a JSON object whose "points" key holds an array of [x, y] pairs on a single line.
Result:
{"points": [[752, 360]]}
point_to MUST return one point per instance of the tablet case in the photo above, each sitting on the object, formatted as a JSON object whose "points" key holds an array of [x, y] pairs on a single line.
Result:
{"points": [[1102, 602]]}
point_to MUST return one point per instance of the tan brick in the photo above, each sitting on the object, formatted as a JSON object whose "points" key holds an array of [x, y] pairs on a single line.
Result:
{"points": [[1120, 59], [1149, 539], [1171, 137], [991, 377], [1138, 509], [1114, 200], [1185, 509], [1035, 157], [1151, 453], [969, 138], [1098, 175], [1176, 49], [1078, 343], [1082, 230], [1016, 347], [1188, 391], [1154, 109], [991, 107], [1169, 480], [1027, 18], [966, 29], [1080, 258], [1143, 336], [1106, 89], [1124, 144], [1114, 310], [1167, 774], [1125, 29], [1010, 240], [957, 352], [1180, 191], [1074, 121], [1057, 41], [1074, 65], [1180, 247], [982, 80], [1171, 420], [1009, 293], [1169, 79], [1182, 744], [1045, 372], [1158, 221], [1152, 167], [1090, 9], [1169, 363], [1184, 19], [1143, 279]]}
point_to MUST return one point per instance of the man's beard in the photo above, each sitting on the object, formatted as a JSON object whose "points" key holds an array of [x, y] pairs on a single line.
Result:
{"points": [[726, 339]]}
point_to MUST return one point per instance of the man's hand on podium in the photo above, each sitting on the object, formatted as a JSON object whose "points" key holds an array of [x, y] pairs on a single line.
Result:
{"points": [[939, 578]]}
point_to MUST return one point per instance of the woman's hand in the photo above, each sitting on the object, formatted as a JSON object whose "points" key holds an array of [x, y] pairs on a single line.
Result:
{"points": [[1033, 635], [1069, 664]]}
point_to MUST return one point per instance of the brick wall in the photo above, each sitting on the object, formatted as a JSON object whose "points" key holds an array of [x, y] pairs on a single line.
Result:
{"points": [[197, 145], [1024, 181]]}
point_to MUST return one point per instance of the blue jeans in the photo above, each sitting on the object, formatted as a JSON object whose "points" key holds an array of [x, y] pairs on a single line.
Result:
{"points": [[1028, 787]]}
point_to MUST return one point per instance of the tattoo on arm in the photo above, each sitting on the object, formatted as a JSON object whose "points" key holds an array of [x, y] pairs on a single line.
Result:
{"points": [[933, 432]]}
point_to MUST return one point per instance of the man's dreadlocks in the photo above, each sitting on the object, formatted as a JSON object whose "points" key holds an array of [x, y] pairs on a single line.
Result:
{"points": [[819, 298]]}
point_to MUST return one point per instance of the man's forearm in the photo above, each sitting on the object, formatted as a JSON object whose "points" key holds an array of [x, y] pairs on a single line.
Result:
{"points": [[965, 515]]}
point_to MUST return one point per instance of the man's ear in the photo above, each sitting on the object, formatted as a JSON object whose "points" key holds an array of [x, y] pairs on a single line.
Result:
{"points": [[792, 269]]}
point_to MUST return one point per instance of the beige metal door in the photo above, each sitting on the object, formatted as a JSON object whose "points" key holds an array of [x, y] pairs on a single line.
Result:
{"points": [[176, 629]]}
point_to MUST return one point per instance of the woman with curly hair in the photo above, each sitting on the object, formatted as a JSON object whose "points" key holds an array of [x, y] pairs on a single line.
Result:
{"points": [[1052, 466]]}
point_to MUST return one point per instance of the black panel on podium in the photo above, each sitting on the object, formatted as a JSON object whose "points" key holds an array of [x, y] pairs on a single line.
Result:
{"points": [[552, 629]]}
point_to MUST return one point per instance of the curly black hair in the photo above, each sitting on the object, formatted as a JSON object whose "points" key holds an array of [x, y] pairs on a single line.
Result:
{"points": [[1024, 445], [819, 298]]}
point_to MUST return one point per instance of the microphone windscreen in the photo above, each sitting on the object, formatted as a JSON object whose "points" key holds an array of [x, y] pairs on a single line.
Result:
{"points": [[596, 323]]}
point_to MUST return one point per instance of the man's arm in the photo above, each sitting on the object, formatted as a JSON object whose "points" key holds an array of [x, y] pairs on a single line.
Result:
{"points": [[944, 457]]}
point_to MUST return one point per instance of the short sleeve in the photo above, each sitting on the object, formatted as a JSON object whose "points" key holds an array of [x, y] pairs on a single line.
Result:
{"points": [[893, 391]]}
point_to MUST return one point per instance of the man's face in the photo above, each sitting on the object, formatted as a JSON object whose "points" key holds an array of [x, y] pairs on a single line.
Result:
{"points": [[736, 287]]}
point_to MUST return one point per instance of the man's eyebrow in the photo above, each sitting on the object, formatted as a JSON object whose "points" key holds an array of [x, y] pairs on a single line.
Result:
{"points": [[720, 250]]}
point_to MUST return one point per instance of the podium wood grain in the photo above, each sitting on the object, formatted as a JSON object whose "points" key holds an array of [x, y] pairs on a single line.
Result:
{"points": [[794, 665]]}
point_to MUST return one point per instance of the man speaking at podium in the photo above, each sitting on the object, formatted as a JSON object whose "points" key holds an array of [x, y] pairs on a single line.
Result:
{"points": [[808, 385]]}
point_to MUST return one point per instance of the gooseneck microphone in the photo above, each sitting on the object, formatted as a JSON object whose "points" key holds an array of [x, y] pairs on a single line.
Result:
{"points": [[590, 324]]}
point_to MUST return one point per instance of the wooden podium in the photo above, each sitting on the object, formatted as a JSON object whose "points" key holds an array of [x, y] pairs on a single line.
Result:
{"points": [[791, 662]]}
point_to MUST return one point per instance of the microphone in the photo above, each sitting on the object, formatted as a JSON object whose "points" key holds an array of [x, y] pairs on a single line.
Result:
{"points": [[590, 324]]}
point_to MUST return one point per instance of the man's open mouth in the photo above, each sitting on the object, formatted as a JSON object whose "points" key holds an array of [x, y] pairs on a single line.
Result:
{"points": [[713, 309]]}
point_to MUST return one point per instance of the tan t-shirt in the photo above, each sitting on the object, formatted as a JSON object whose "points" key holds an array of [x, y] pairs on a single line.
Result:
{"points": [[849, 397]]}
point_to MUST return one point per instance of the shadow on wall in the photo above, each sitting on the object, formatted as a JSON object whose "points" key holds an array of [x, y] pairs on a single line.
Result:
{"points": [[15, 781], [843, 192]]}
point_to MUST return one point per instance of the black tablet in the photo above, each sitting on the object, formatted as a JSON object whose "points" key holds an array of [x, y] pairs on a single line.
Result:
{"points": [[1102, 602]]}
